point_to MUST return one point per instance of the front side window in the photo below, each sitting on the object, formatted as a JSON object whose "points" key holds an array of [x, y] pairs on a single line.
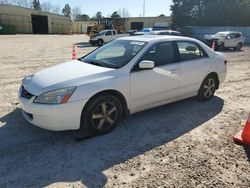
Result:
{"points": [[189, 51], [230, 36], [114, 54], [161, 54]]}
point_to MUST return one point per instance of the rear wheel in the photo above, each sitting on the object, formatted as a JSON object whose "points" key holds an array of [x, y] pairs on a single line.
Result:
{"points": [[208, 88], [102, 114], [238, 47]]}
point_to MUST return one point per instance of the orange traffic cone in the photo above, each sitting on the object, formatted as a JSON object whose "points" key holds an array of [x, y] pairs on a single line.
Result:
{"points": [[243, 137], [213, 46], [73, 53]]}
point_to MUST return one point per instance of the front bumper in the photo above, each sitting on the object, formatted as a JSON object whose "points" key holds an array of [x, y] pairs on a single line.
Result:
{"points": [[53, 117]]}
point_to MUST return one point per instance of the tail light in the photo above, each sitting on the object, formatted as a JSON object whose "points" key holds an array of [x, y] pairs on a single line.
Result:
{"points": [[225, 62]]}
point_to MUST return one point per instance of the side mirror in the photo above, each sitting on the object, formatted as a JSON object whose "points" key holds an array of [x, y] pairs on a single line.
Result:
{"points": [[145, 64]]}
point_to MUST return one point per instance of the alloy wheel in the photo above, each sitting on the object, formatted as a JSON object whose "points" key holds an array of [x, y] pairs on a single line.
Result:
{"points": [[209, 88], [104, 116]]}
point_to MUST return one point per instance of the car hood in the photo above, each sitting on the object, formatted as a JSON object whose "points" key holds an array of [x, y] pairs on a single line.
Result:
{"points": [[63, 75]]}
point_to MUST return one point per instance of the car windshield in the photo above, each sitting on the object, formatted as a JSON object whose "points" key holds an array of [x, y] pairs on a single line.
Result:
{"points": [[115, 54], [102, 32]]}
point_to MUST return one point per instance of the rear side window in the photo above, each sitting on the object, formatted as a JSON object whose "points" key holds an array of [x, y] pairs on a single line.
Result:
{"points": [[190, 51], [161, 54], [237, 35], [108, 33]]}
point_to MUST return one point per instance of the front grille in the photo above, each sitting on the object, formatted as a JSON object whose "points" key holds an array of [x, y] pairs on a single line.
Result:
{"points": [[26, 94]]}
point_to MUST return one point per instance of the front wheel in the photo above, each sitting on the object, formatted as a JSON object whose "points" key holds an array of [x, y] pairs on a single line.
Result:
{"points": [[102, 114], [207, 88], [99, 42]]}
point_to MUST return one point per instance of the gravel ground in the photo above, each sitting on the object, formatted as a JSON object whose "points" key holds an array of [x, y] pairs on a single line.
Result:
{"points": [[184, 144]]}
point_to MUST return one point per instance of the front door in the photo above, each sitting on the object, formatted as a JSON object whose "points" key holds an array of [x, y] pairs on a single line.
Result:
{"points": [[153, 87]]}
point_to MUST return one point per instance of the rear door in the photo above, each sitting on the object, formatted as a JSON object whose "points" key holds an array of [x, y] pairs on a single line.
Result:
{"points": [[194, 66]]}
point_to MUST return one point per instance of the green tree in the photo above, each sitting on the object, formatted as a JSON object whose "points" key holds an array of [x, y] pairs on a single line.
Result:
{"points": [[98, 16], [66, 11], [211, 13], [115, 15], [83, 17], [36, 5]]}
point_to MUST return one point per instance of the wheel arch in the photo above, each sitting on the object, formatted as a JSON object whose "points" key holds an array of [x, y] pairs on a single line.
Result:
{"points": [[114, 93], [100, 39], [214, 74]]}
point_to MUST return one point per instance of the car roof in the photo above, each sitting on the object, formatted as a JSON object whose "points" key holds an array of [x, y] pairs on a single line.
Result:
{"points": [[170, 31], [228, 32], [152, 38]]}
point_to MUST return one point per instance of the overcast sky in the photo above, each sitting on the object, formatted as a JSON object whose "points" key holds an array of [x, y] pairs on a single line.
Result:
{"points": [[107, 7]]}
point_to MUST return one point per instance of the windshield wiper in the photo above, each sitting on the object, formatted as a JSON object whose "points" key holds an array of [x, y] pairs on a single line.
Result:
{"points": [[94, 63]]}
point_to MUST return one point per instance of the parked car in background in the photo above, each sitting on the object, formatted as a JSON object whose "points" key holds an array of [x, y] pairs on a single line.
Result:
{"points": [[106, 36], [123, 77], [131, 31], [165, 32], [143, 31], [226, 39]]}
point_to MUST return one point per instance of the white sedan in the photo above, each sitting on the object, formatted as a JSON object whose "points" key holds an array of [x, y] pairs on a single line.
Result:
{"points": [[123, 77]]}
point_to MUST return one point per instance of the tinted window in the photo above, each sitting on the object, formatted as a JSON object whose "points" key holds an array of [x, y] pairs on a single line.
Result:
{"points": [[108, 33], [189, 51], [161, 54], [113, 32], [237, 35], [230, 36]]}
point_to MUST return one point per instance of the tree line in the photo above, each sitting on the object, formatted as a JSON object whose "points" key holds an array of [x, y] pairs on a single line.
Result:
{"points": [[73, 13], [211, 12]]}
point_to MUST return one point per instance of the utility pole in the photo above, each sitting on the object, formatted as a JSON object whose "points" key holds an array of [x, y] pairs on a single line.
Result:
{"points": [[143, 12]]}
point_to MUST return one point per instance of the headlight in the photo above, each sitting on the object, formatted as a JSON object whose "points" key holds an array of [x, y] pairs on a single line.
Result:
{"points": [[59, 96]]}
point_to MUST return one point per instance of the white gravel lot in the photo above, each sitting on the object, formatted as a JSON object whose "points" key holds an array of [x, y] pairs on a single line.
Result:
{"points": [[184, 144]]}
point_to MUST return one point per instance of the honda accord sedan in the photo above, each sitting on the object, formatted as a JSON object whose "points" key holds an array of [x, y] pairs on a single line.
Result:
{"points": [[121, 78]]}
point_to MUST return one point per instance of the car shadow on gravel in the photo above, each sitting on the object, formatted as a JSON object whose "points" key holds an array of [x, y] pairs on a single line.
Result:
{"points": [[32, 157], [232, 51], [247, 150], [83, 45]]}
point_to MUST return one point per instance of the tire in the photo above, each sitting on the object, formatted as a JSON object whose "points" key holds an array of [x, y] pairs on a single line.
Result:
{"points": [[101, 115], [238, 47], [208, 88], [100, 42]]}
